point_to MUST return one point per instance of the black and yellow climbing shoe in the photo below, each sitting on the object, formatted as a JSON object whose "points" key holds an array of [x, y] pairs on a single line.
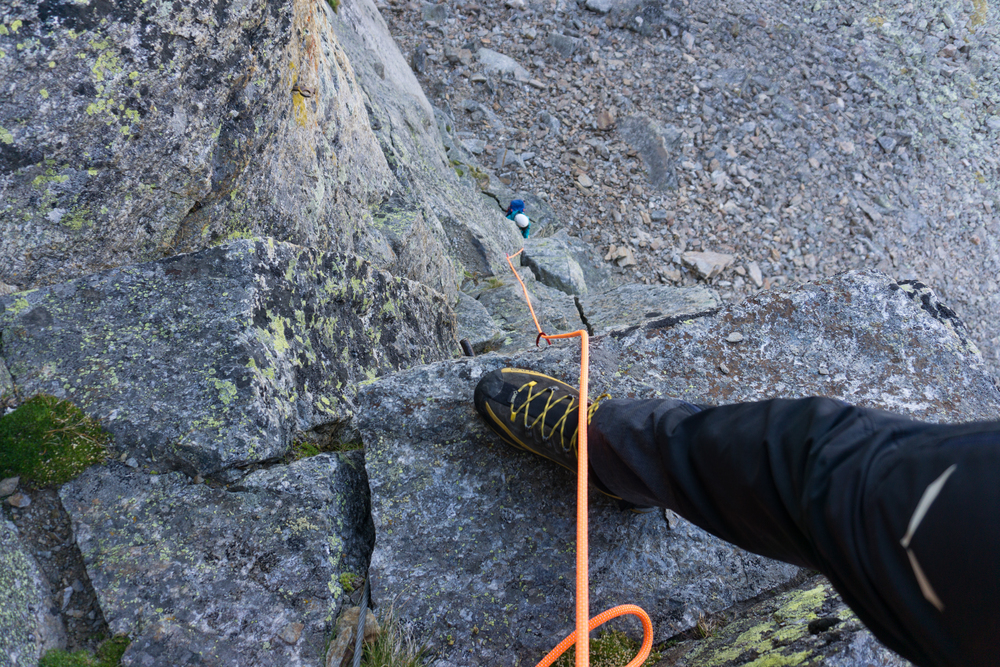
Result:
{"points": [[539, 414]]}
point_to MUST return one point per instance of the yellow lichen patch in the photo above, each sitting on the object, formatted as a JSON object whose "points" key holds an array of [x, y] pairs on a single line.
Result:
{"points": [[5, 136], [300, 111], [980, 9]]}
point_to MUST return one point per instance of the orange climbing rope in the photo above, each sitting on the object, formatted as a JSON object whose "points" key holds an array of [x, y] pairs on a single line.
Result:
{"points": [[581, 636]]}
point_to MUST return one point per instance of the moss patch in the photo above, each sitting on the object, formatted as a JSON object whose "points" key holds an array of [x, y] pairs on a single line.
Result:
{"points": [[108, 654], [612, 649], [48, 441]]}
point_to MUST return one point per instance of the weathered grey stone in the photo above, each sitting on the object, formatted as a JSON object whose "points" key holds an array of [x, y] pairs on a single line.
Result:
{"points": [[8, 486], [211, 360], [481, 546], [504, 299], [477, 326], [564, 45], [498, 63], [28, 627], [455, 222], [565, 263], [600, 6], [432, 12], [658, 146], [808, 625], [633, 305], [197, 574]]}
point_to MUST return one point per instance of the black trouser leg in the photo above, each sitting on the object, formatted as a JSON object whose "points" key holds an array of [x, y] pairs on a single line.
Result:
{"points": [[837, 488]]}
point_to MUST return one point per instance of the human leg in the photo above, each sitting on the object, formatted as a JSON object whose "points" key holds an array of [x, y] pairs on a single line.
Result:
{"points": [[835, 487]]}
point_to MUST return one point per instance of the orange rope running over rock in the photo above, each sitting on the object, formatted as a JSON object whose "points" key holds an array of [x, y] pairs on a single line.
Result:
{"points": [[581, 636]]}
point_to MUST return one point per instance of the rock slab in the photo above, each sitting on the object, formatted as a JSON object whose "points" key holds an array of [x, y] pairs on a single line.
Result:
{"points": [[211, 360], [249, 575], [475, 539], [635, 305]]}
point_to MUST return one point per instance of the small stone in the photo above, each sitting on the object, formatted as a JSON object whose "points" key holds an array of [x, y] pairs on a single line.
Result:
{"points": [[734, 337], [198, 479], [687, 39], [19, 500], [948, 19], [8, 486], [846, 147], [814, 163], [823, 370], [949, 51], [673, 520], [606, 119], [755, 275], [585, 181], [131, 462], [740, 270], [707, 264], [535, 83], [724, 369], [887, 143], [291, 633]]}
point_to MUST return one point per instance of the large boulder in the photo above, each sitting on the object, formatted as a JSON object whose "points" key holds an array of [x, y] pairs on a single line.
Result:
{"points": [[212, 360], [250, 575], [566, 263], [475, 540], [138, 132]]}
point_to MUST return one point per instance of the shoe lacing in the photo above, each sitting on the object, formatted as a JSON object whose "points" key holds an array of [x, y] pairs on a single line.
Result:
{"points": [[550, 404]]}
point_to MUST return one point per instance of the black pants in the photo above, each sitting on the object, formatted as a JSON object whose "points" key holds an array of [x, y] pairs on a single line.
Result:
{"points": [[902, 516]]}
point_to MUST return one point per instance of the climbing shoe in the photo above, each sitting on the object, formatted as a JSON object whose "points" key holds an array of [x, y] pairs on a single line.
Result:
{"points": [[540, 414]]}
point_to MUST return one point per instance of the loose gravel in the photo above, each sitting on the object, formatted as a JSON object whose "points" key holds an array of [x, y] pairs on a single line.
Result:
{"points": [[803, 138]]}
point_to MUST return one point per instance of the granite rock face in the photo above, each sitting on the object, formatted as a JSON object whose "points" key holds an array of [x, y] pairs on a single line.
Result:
{"points": [[808, 625], [211, 360], [476, 538], [161, 130], [140, 130], [28, 628], [432, 209], [249, 575]]}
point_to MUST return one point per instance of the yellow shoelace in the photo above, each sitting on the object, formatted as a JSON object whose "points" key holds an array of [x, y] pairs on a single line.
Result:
{"points": [[560, 424]]}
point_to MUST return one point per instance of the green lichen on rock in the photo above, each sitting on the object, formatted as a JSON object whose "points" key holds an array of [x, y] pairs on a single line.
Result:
{"points": [[48, 441]]}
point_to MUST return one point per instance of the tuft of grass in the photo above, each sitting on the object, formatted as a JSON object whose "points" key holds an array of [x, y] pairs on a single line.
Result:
{"points": [[494, 282], [612, 649], [394, 647], [49, 441], [334, 5], [350, 581], [108, 654], [303, 449]]}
